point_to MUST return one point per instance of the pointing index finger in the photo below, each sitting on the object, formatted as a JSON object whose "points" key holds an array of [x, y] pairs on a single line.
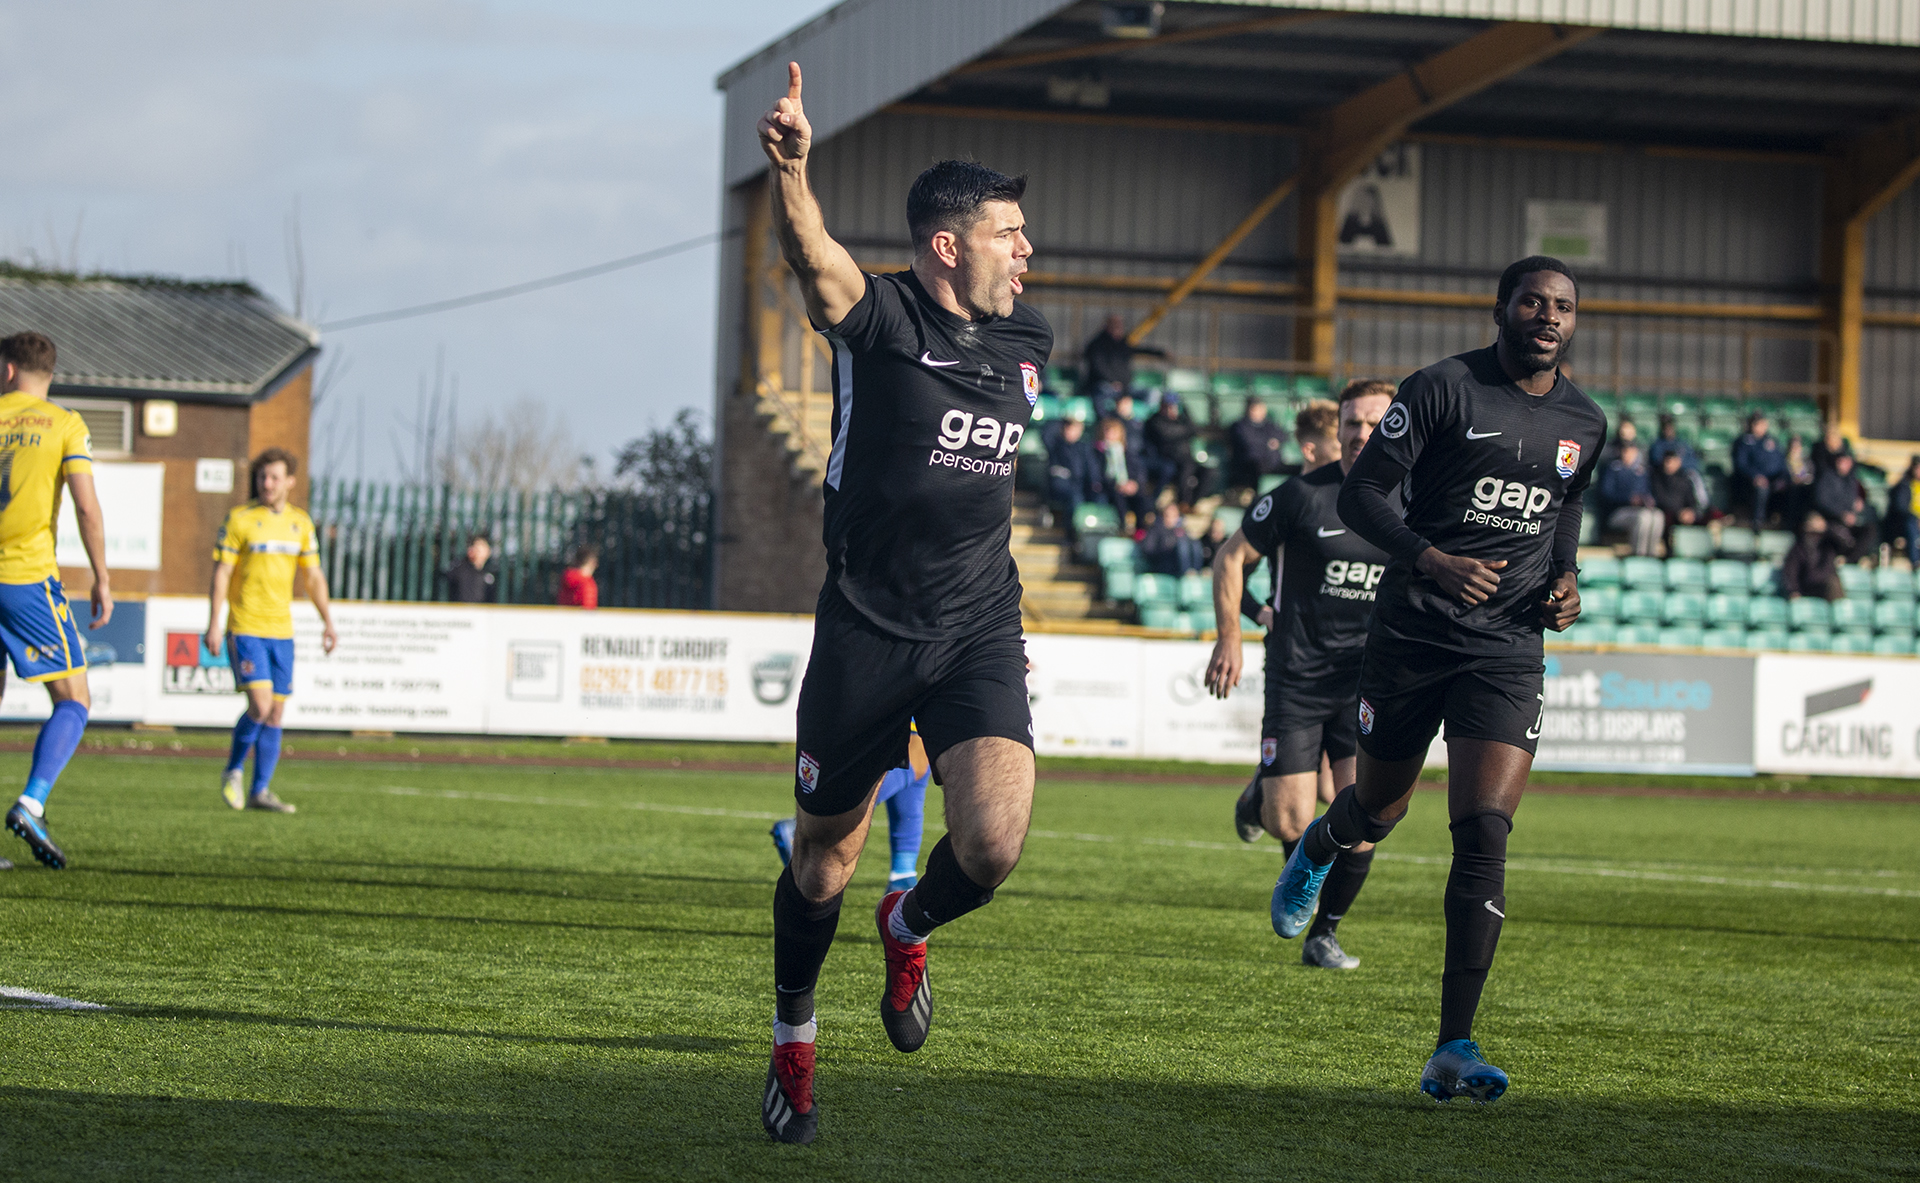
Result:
{"points": [[793, 81]]}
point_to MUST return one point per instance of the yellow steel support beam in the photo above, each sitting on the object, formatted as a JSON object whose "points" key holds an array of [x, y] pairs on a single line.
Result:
{"points": [[1108, 47], [1348, 137], [1863, 175], [1225, 247]]}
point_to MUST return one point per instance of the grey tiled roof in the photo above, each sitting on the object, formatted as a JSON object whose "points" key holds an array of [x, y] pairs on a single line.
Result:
{"points": [[173, 340]]}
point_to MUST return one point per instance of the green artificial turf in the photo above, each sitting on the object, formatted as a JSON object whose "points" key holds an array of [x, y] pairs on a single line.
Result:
{"points": [[464, 972]]}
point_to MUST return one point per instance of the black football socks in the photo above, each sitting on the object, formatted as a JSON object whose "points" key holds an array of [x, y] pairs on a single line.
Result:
{"points": [[1347, 825], [943, 895], [1342, 887], [1475, 905], [802, 934]]}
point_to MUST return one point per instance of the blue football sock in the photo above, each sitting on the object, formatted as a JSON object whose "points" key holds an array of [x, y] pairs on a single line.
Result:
{"points": [[59, 737], [245, 732], [906, 817], [266, 755]]}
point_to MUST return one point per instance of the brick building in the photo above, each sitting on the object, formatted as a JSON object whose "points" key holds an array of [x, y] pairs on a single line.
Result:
{"points": [[179, 383]]}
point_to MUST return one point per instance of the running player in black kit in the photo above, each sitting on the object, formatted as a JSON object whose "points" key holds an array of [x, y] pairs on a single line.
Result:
{"points": [[1324, 585], [936, 370], [1495, 447]]}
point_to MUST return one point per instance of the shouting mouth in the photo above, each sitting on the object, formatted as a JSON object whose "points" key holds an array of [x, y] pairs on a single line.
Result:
{"points": [[1014, 279]]}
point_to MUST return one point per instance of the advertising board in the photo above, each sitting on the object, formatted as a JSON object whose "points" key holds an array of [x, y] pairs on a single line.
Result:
{"points": [[1647, 712], [1836, 715]]}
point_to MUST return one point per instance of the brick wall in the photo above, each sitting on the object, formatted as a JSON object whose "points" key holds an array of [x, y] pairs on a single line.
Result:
{"points": [[770, 555]]}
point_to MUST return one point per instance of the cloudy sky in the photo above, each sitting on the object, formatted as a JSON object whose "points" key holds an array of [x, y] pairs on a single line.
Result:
{"points": [[434, 148]]}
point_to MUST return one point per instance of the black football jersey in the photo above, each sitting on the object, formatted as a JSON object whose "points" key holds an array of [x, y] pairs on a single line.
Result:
{"points": [[1489, 467], [928, 411], [1325, 574]]}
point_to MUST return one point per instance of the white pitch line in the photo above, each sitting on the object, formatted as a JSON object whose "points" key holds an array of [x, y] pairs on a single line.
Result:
{"points": [[35, 1001], [1522, 864]]}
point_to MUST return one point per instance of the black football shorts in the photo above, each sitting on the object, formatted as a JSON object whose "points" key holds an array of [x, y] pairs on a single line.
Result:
{"points": [[1308, 715], [864, 686], [1408, 690]]}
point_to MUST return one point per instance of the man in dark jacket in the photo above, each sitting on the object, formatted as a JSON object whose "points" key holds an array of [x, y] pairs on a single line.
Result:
{"points": [[1168, 548], [1831, 447], [1629, 497], [1759, 467], [1073, 470], [475, 579], [1253, 447], [1839, 495], [1669, 441], [1170, 452], [1811, 566], [1675, 493], [1108, 359]]}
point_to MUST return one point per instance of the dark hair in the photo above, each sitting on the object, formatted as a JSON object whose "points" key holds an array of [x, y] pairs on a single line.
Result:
{"points": [[1318, 420], [950, 195], [580, 554], [479, 536], [1362, 387], [270, 456], [31, 351], [1510, 278]]}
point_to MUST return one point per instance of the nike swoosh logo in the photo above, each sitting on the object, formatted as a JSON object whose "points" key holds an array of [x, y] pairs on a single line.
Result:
{"points": [[927, 358], [1488, 905], [1480, 435], [1326, 533]]}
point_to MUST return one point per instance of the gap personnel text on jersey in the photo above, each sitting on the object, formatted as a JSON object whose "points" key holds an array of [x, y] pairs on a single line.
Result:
{"points": [[960, 428]]}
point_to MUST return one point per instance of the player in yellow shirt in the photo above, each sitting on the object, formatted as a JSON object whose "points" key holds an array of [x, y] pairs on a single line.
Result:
{"points": [[264, 548], [40, 446]]}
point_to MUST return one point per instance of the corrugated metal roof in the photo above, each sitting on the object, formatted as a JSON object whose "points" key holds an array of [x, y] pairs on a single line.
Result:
{"points": [[1879, 22], [180, 341]]}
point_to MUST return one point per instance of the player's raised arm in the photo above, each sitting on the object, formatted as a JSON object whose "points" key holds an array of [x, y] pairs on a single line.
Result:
{"points": [[830, 281], [93, 536]]}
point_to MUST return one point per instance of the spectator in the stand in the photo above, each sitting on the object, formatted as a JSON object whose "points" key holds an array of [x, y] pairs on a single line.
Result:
{"points": [[1797, 489], [1168, 548], [1624, 433], [1831, 447], [1759, 468], [1108, 362], [1670, 441], [1123, 475], [1811, 566], [1073, 469], [577, 588], [1253, 447], [1629, 496], [1212, 540], [1903, 513], [1170, 461], [1839, 495], [475, 579], [1676, 493]]}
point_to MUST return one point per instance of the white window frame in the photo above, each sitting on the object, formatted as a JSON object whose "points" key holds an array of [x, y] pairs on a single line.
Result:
{"points": [[124, 406]]}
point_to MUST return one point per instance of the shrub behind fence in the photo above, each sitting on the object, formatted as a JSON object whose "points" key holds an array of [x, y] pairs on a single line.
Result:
{"points": [[392, 542]]}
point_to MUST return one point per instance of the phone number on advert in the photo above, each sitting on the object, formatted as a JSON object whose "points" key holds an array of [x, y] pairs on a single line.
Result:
{"points": [[666, 679]]}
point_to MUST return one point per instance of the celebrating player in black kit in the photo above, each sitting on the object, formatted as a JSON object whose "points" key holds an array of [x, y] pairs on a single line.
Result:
{"points": [[1494, 447], [936, 370], [1324, 584]]}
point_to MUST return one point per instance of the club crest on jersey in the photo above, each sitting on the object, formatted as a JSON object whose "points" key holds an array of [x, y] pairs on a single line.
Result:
{"points": [[1269, 748], [809, 773], [1567, 460], [1366, 717], [1030, 382]]}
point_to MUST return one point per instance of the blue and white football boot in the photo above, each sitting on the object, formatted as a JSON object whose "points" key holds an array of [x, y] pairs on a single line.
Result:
{"points": [[783, 839], [1457, 1070], [34, 830], [1297, 893]]}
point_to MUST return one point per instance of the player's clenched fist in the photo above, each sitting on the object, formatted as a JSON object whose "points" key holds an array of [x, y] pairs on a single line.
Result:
{"points": [[785, 134]]}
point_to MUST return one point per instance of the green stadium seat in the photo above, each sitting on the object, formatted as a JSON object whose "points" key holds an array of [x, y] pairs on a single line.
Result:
{"points": [[1600, 603], [1686, 575], [1150, 588], [1692, 542], [1727, 575], [1773, 545], [1118, 551], [1852, 613], [1202, 455], [1269, 483], [1230, 382], [1893, 645], [1767, 612], [1643, 409], [1601, 570], [1119, 582], [1642, 606], [1270, 387], [1684, 607], [1077, 407], [1164, 616], [1851, 641], [1730, 637], [1809, 612], [1046, 407], [1187, 382], [1805, 408], [1228, 407], [1637, 634], [1095, 517], [1260, 584], [1680, 406], [1810, 641], [1230, 517], [1891, 616], [1683, 636], [1727, 608], [1310, 386], [1737, 542], [1719, 405], [1763, 579], [1196, 591], [1723, 423], [1891, 583], [1189, 622], [1589, 530], [1642, 571], [1767, 638], [1857, 581], [1059, 380], [1585, 632], [1148, 381]]}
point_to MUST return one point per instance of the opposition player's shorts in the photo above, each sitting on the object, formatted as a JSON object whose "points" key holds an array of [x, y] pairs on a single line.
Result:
{"points": [[1408, 690], [863, 687], [38, 630], [262, 661], [1308, 716]]}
